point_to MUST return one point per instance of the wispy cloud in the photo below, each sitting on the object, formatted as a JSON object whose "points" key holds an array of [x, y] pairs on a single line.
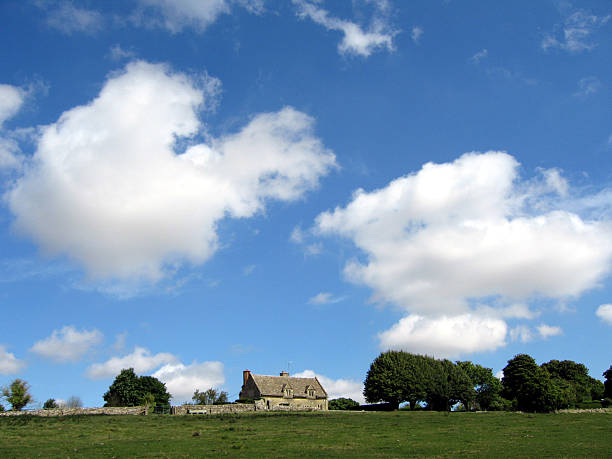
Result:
{"points": [[325, 298], [355, 40], [476, 58], [574, 34], [117, 53], [416, 34], [68, 19], [587, 86]]}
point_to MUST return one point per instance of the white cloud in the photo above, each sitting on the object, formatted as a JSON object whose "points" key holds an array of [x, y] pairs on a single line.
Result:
{"points": [[325, 298], [67, 344], [11, 100], [336, 388], [10, 157], [179, 14], [587, 86], [604, 312], [521, 333], [476, 58], [67, 18], [574, 35], [355, 40], [546, 331], [248, 270], [182, 380], [555, 182], [107, 172], [141, 360], [8, 363], [176, 15], [416, 34], [454, 236], [445, 336]]}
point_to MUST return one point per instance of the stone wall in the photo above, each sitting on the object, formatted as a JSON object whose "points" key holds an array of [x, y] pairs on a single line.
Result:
{"points": [[294, 404], [216, 409], [114, 410]]}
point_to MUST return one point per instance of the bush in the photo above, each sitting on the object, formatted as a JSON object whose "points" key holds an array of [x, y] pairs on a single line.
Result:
{"points": [[50, 404], [593, 404], [606, 402], [343, 404], [500, 404]]}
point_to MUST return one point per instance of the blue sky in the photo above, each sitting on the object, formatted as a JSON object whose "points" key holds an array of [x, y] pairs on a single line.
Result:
{"points": [[195, 188]]}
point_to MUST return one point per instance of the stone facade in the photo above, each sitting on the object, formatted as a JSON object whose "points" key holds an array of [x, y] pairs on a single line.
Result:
{"points": [[283, 392]]}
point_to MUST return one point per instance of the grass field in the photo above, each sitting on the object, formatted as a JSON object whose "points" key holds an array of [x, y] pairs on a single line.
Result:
{"points": [[331, 434]]}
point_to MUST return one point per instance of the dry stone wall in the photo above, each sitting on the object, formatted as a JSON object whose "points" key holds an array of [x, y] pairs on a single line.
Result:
{"points": [[114, 410], [215, 409]]}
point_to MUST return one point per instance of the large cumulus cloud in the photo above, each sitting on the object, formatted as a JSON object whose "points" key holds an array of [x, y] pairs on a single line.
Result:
{"points": [[442, 242], [107, 188]]}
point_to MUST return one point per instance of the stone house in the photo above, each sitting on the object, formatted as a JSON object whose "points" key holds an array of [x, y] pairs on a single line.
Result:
{"points": [[284, 392]]}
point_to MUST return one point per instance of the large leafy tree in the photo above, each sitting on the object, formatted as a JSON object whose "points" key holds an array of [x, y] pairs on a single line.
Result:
{"points": [[608, 383], [531, 388], [573, 378], [451, 385], [130, 390], [486, 386], [153, 386], [519, 370], [395, 377], [17, 394]]}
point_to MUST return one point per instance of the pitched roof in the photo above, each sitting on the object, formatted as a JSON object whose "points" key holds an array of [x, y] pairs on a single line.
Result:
{"points": [[274, 385]]}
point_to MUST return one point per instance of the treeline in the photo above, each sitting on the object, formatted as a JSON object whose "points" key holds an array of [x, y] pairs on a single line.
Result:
{"points": [[397, 377]]}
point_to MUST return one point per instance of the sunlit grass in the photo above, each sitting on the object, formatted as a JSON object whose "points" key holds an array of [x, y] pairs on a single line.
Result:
{"points": [[332, 434]]}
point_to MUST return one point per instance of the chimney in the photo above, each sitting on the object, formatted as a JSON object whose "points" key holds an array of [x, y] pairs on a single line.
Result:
{"points": [[245, 376], [284, 373]]}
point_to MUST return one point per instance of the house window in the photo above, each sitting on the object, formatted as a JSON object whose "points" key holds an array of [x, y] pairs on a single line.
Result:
{"points": [[287, 391]]}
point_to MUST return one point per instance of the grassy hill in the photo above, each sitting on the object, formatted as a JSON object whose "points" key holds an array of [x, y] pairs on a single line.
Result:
{"points": [[331, 434]]}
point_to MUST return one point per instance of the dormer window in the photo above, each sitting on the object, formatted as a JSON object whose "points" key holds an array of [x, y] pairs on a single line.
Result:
{"points": [[287, 391], [310, 392]]}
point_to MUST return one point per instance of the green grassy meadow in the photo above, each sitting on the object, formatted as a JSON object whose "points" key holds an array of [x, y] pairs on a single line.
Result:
{"points": [[331, 434]]}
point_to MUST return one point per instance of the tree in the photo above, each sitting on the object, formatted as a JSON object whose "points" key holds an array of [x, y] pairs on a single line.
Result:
{"points": [[74, 402], [129, 390], [153, 386], [531, 388], [450, 385], [342, 403], [486, 385], [395, 377], [50, 404], [209, 397], [608, 383], [576, 375], [17, 394], [519, 370]]}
